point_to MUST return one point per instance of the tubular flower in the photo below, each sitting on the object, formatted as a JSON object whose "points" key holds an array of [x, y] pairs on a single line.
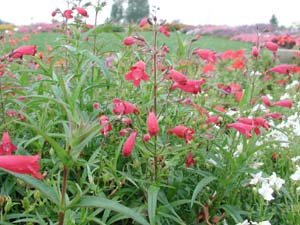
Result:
{"points": [[192, 86], [68, 14], [152, 124], [258, 121], [164, 30], [242, 128], [183, 132], [283, 103], [271, 46], [129, 41], [143, 22], [129, 144], [274, 115], [137, 73], [266, 101], [207, 55], [22, 164], [123, 107], [255, 52], [189, 160], [177, 77], [6, 147], [82, 11], [24, 50], [284, 69], [106, 127]]}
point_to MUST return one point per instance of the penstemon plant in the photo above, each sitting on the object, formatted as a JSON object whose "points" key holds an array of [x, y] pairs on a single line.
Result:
{"points": [[145, 134]]}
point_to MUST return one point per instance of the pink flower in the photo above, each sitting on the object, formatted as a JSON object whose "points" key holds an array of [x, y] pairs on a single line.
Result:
{"points": [[96, 105], [7, 146], [152, 124], [243, 128], [189, 160], [258, 121], [126, 121], [192, 86], [123, 132], [164, 30], [266, 101], [144, 22], [213, 119], [274, 115], [255, 52], [129, 41], [68, 14], [106, 127], [283, 103], [54, 13], [137, 73], [123, 107], [82, 11], [208, 68], [24, 50], [271, 46], [284, 69], [207, 55], [146, 137], [177, 77], [129, 144], [22, 164], [182, 132]]}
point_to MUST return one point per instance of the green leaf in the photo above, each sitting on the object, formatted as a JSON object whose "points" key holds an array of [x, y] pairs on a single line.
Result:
{"points": [[152, 203], [91, 201], [37, 184], [245, 101], [180, 46], [61, 153], [205, 181], [233, 212]]}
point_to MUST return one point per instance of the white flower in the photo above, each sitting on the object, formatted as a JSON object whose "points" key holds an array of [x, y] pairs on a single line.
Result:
{"points": [[296, 176], [266, 191], [256, 165], [295, 159], [285, 96], [275, 181], [266, 222], [244, 223], [257, 178]]}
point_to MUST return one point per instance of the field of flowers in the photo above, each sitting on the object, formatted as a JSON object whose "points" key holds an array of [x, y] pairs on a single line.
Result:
{"points": [[146, 133]]}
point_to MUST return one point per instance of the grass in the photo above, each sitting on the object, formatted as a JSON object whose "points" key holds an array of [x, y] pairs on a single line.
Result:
{"points": [[113, 41]]}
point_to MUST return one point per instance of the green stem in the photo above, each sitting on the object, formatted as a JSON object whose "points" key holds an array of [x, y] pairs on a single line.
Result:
{"points": [[155, 96], [61, 214], [2, 102]]}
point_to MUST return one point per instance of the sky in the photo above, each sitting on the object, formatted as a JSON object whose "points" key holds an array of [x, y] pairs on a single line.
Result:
{"points": [[192, 12]]}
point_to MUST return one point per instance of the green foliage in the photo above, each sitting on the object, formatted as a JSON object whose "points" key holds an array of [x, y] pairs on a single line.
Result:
{"points": [[117, 11], [274, 21]]}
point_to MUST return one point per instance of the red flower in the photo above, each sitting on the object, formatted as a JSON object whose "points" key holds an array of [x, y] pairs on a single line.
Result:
{"points": [[192, 86], [144, 22], [274, 115], [106, 127], [189, 160], [146, 137], [208, 68], [24, 50], [22, 164], [152, 124], [54, 13], [284, 103], [255, 52], [213, 119], [238, 64], [284, 69], [207, 55], [82, 11], [266, 101], [271, 46], [182, 132], [68, 14], [258, 121], [137, 73], [164, 30], [129, 144], [243, 128], [177, 77], [6, 147], [123, 107], [96, 105], [129, 41]]}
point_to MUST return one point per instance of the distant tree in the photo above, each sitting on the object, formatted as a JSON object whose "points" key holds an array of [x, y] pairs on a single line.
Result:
{"points": [[117, 11], [137, 10], [274, 21]]}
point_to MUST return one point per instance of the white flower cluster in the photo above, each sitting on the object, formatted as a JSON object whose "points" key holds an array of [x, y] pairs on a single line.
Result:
{"points": [[266, 222], [296, 176], [268, 184]]}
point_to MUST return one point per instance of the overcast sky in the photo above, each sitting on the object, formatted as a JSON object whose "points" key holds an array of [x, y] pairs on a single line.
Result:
{"points": [[229, 12]]}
